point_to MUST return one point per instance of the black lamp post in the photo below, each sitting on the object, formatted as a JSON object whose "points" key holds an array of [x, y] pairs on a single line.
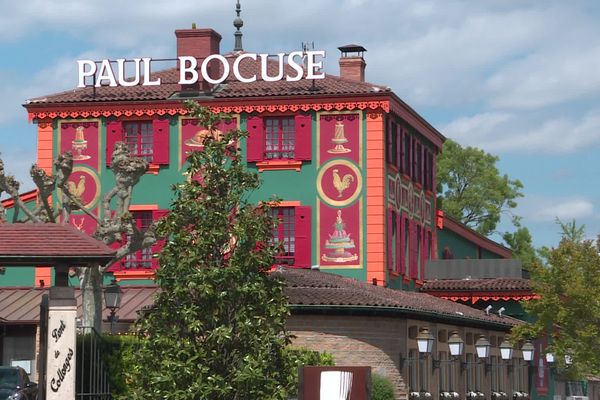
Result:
{"points": [[112, 299]]}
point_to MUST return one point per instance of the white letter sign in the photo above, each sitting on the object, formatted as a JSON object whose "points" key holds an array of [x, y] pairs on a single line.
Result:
{"points": [[188, 69]]}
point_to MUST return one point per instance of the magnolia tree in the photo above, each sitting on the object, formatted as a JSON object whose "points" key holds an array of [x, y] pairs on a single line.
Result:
{"points": [[115, 225], [217, 327]]}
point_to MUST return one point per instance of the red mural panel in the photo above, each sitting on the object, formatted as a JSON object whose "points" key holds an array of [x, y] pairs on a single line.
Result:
{"points": [[339, 184], [192, 134], [340, 137], [340, 237], [82, 140]]}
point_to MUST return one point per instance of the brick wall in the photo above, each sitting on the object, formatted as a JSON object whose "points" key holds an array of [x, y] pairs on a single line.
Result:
{"points": [[354, 341]]}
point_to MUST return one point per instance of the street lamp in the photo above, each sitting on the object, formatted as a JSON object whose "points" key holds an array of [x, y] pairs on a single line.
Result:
{"points": [[506, 350], [527, 351], [456, 345], [425, 341], [482, 345], [112, 299]]}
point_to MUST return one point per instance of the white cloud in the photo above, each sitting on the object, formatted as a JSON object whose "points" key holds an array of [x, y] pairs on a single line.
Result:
{"points": [[548, 78], [544, 209], [503, 132]]}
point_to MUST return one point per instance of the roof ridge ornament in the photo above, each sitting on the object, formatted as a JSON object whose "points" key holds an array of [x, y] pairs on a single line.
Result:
{"points": [[238, 23]]}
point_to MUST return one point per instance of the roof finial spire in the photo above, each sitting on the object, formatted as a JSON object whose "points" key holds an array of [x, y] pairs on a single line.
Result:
{"points": [[238, 23]]}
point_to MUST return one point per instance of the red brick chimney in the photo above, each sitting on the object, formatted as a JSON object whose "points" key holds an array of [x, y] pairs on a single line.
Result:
{"points": [[352, 63], [199, 43]]}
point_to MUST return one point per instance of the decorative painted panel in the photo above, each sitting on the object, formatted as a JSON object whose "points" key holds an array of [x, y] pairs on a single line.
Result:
{"points": [[404, 197], [82, 139], [191, 134], [340, 187]]}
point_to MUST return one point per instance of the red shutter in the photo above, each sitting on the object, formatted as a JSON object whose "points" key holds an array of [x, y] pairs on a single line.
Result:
{"points": [[399, 253], [160, 136], [254, 150], [388, 143], [303, 222], [157, 247], [390, 243], [303, 125], [413, 249], [118, 265], [114, 134], [403, 234], [398, 149]]}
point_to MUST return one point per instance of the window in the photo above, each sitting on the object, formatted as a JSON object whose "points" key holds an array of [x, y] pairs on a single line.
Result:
{"points": [[392, 240], [142, 262], [293, 235], [138, 137], [141, 258], [284, 235], [148, 139], [276, 139], [411, 362], [470, 373], [280, 138], [407, 154]]}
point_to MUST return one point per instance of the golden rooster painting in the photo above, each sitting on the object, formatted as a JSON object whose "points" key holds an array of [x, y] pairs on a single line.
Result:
{"points": [[341, 183], [77, 189]]}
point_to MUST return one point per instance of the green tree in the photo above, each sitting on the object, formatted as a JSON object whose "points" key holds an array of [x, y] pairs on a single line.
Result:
{"points": [[521, 244], [568, 308], [217, 327], [471, 189]]}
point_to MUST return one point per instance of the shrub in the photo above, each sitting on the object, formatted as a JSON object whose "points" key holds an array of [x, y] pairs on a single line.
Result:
{"points": [[381, 388], [299, 357]]}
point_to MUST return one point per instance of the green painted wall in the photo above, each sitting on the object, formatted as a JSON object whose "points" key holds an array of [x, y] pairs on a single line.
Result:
{"points": [[18, 276], [460, 247]]}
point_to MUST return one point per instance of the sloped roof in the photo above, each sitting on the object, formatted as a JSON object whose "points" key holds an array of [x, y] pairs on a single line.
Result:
{"points": [[37, 242], [478, 285], [22, 304], [316, 288], [231, 88], [304, 288]]}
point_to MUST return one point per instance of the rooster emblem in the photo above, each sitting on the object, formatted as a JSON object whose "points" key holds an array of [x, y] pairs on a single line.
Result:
{"points": [[342, 183], [77, 189]]}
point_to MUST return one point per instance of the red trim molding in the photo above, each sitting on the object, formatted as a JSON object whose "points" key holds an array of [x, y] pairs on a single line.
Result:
{"points": [[92, 110], [277, 165], [25, 197]]}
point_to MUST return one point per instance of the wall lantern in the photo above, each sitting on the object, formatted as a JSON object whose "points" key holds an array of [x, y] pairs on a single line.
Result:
{"points": [[425, 341], [506, 350], [482, 345], [112, 299], [456, 345], [550, 358], [527, 351]]}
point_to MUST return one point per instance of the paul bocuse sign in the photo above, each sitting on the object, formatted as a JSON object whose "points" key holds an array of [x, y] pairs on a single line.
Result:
{"points": [[104, 72]]}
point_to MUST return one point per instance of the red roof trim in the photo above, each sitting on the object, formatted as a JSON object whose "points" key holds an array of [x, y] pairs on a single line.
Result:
{"points": [[480, 240], [160, 108], [25, 197]]}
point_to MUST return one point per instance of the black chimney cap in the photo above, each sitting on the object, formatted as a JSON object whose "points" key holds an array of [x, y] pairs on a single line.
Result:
{"points": [[351, 48]]}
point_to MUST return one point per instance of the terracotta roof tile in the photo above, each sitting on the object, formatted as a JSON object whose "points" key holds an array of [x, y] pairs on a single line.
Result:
{"points": [[309, 287], [231, 88], [48, 240], [479, 285]]}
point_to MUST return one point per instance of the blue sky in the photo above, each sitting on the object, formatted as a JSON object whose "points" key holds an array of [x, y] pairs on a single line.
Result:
{"points": [[518, 78]]}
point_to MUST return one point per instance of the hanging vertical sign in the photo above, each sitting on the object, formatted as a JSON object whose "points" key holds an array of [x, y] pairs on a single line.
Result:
{"points": [[60, 363]]}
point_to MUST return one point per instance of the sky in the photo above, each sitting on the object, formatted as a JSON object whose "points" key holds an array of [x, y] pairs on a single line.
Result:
{"points": [[517, 78]]}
